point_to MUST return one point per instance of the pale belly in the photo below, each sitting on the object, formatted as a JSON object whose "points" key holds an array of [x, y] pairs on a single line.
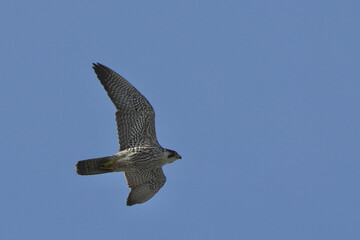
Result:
{"points": [[140, 160]]}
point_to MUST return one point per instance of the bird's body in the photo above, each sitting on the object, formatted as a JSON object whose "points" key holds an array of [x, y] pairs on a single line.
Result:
{"points": [[141, 157], [131, 159]]}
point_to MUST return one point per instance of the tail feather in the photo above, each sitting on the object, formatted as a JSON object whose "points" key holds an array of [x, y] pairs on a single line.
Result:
{"points": [[94, 166]]}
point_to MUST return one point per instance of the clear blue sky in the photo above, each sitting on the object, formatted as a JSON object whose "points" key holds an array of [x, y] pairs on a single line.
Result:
{"points": [[261, 98]]}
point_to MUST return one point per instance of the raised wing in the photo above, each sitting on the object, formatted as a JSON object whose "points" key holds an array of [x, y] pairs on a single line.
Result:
{"points": [[135, 117], [144, 184]]}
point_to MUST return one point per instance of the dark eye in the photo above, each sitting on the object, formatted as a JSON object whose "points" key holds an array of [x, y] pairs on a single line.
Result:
{"points": [[172, 154]]}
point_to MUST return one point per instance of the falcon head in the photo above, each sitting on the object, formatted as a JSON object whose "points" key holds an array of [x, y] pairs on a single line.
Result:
{"points": [[171, 155]]}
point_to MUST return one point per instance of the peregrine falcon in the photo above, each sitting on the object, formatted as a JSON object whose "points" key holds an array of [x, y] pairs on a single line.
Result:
{"points": [[140, 156]]}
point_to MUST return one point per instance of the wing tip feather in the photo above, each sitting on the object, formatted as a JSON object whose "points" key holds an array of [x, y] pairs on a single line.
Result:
{"points": [[130, 202]]}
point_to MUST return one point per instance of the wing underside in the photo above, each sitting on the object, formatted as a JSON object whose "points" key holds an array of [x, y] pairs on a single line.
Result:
{"points": [[144, 184], [135, 117]]}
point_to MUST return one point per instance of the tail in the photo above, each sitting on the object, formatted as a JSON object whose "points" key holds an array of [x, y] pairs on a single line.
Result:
{"points": [[94, 166]]}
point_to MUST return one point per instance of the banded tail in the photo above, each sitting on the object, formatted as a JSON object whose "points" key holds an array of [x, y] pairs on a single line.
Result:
{"points": [[94, 166]]}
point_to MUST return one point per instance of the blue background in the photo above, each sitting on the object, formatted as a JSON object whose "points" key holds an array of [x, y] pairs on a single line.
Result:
{"points": [[261, 99]]}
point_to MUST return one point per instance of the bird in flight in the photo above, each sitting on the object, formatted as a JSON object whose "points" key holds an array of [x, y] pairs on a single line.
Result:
{"points": [[140, 156]]}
